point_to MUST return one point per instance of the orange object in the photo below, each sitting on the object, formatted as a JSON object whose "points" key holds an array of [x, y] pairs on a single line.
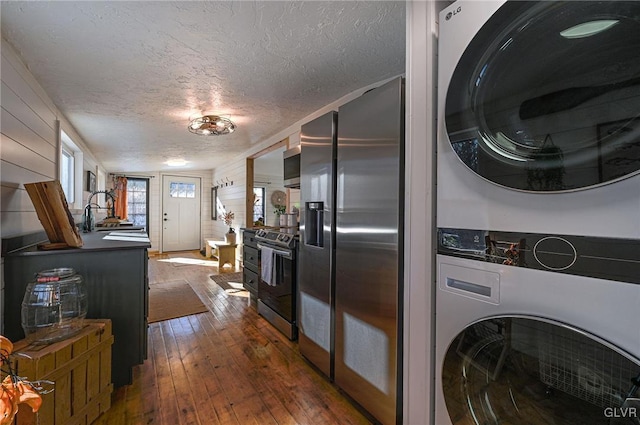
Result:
{"points": [[13, 390]]}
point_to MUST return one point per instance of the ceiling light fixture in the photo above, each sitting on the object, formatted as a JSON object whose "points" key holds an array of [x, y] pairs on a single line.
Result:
{"points": [[176, 163], [211, 125]]}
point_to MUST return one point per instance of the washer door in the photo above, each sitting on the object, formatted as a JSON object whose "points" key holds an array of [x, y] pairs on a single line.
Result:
{"points": [[514, 370], [546, 97]]}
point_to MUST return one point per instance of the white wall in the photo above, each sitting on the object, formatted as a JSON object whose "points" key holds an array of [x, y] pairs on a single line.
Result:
{"points": [[232, 196], [29, 148], [420, 211]]}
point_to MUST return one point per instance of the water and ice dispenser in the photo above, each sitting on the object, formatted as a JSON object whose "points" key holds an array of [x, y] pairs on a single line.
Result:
{"points": [[314, 219]]}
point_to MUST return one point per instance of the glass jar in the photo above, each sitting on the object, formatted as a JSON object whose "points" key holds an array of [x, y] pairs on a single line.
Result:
{"points": [[54, 306]]}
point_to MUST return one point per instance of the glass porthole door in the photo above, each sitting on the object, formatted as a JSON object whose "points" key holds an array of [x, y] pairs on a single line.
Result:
{"points": [[516, 370], [546, 97]]}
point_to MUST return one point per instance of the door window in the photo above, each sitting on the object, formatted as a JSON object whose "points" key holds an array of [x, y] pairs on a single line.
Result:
{"points": [[510, 370], [546, 97]]}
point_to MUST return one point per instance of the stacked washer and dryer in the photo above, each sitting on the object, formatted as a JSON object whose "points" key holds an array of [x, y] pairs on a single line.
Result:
{"points": [[538, 265]]}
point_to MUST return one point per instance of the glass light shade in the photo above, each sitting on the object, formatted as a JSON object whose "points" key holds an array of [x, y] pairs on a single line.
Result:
{"points": [[211, 125]]}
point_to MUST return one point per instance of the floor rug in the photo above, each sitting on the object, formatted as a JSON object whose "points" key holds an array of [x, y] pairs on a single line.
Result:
{"points": [[168, 300], [230, 282]]}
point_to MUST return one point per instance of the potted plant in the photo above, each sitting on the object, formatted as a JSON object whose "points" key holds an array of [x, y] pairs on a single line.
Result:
{"points": [[230, 236]]}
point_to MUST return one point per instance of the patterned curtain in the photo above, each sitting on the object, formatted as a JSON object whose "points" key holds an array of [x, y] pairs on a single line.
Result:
{"points": [[120, 185]]}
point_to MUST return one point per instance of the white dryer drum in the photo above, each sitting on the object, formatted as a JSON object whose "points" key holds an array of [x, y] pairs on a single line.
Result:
{"points": [[546, 97], [517, 370]]}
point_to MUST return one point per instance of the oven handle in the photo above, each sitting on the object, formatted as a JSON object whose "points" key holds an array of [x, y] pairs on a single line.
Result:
{"points": [[277, 251]]}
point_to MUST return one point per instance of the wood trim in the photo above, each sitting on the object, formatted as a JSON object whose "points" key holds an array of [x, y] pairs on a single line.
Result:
{"points": [[249, 192], [250, 171], [282, 143]]}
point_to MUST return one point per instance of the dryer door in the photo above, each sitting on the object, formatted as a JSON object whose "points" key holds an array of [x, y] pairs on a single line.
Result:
{"points": [[546, 97], [516, 370]]}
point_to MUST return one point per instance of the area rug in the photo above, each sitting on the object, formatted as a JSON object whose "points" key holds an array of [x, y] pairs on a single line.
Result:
{"points": [[168, 300], [230, 282]]}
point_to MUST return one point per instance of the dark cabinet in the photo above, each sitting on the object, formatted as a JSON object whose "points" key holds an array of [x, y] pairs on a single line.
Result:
{"points": [[115, 276], [251, 262]]}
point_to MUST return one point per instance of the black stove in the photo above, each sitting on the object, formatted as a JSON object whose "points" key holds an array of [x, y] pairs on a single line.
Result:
{"points": [[277, 294]]}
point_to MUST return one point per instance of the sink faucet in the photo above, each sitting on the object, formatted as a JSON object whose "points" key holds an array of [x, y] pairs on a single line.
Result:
{"points": [[87, 218]]}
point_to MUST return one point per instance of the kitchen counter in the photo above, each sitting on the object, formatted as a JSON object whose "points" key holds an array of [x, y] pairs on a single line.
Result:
{"points": [[116, 228], [115, 275], [93, 241]]}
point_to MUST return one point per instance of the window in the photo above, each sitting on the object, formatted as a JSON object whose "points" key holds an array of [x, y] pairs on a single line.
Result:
{"points": [[66, 173], [258, 204], [70, 163], [182, 190], [137, 201]]}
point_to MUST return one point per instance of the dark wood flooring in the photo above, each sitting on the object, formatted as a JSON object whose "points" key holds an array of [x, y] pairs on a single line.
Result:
{"points": [[226, 366]]}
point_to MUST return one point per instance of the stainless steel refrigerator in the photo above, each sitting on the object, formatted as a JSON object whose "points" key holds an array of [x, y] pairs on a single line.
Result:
{"points": [[351, 250]]}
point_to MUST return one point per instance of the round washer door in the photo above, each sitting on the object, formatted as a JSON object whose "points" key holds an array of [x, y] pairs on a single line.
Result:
{"points": [[516, 370], [546, 97]]}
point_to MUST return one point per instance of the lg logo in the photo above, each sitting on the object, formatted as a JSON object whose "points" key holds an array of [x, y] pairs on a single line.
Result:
{"points": [[454, 13]]}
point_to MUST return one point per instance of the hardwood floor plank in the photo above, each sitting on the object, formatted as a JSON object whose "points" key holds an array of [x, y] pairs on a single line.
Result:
{"points": [[222, 406], [228, 366], [149, 386], [194, 365], [166, 392], [186, 406]]}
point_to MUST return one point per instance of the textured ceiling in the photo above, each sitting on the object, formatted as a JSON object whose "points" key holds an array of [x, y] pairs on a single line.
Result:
{"points": [[129, 75]]}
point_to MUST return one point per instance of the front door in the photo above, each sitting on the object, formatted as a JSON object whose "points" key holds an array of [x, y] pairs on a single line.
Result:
{"points": [[180, 213]]}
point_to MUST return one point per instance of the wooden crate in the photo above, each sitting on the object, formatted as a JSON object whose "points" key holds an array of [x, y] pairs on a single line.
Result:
{"points": [[80, 366]]}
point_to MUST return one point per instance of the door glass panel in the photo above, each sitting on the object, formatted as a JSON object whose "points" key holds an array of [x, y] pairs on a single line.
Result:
{"points": [[182, 190], [523, 371], [546, 97]]}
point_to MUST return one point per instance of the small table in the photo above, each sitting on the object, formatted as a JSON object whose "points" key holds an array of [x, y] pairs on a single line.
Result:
{"points": [[210, 245], [226, 253]]}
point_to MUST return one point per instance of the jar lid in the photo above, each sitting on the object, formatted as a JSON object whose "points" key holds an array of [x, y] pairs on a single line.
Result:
{"points": [[53, 275]]}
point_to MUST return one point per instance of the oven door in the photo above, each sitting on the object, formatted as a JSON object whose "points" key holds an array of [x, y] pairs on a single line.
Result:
{"points": [[546, 96], [279, 296]]}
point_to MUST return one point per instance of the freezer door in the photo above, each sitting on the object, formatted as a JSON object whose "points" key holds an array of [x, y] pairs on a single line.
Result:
{"points": [[369, 228], [317, 189]]}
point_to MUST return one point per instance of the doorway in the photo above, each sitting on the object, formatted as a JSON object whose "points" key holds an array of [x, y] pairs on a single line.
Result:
{"points": [[181, 206], [264, 171]]}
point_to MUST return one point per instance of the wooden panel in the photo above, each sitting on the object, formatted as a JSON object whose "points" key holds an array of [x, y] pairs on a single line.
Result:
{"points": [[15, 200], [20, 132], [22, 82], [53, 212], [23, 112], [12, 175], [18, 154], [18, 223]]}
